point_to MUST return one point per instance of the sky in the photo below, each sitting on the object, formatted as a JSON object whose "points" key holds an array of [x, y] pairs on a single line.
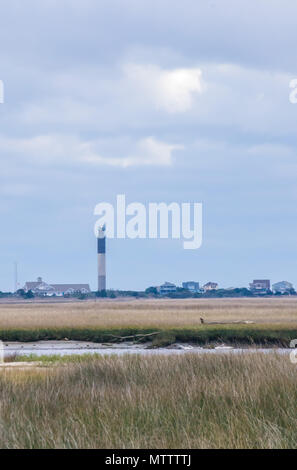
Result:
{"points": [[163, 101]]}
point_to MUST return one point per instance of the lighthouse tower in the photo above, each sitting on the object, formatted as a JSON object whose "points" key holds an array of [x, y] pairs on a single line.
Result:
{"points": [[101, 250]]}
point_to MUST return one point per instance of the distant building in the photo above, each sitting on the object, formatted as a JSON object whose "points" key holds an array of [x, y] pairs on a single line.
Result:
{"points": [[210, 286], [192, 286], [42, 288], [260, 286], [167, 288], [282, 287]]}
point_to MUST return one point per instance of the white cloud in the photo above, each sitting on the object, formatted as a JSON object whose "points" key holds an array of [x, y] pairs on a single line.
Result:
{"points": [[148, 151], [123, 99], [246, 99], [101, 99], [271, 151], [172, 90], [64, 150]]}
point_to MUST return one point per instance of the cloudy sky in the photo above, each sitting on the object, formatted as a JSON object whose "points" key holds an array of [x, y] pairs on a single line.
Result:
{"points": [[159, 100]]}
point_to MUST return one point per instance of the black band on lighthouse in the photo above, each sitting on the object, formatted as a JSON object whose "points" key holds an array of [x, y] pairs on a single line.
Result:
{"points": [[101, 245]]}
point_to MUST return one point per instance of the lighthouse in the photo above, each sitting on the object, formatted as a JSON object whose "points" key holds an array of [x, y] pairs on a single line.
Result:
{"points": [[101, 250]]}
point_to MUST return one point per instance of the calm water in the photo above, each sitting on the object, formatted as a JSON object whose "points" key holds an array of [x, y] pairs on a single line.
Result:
{"points": [[76, 347]]}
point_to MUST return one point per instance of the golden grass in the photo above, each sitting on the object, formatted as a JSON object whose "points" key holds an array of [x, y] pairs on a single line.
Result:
{"points": [[147, 313], [172, 402]]}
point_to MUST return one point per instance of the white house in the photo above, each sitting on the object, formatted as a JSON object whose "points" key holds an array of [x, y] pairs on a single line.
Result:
{"points": [[210, 286], [191, 286], [44, 289], [167, 288], [282, 287]]}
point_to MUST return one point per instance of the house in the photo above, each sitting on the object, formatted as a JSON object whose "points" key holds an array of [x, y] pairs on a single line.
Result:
{"points": [[192, 286], [44, 289], [210, 286], [166, 288], [260, 286], [39, 287], [282, 287]]}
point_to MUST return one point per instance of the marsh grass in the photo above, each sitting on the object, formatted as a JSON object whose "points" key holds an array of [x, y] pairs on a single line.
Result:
{"points": [[184, 401], [177, 320], [264, 335], [55, 358], [160, 313]]}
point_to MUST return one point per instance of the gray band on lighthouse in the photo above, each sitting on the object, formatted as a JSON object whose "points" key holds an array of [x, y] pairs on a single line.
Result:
{"points": [[101, 283], [101, 272]]}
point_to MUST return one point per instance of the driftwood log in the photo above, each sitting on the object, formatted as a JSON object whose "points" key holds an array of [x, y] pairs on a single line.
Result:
{"points": [[235, 322], [136, 338]]}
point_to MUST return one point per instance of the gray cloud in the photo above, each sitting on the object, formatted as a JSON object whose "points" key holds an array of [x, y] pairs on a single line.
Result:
{"points": [[99, 100]]}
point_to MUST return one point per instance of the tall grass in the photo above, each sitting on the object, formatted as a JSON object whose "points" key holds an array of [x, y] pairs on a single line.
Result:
{"points": [[275, 320], [279, 335], [184, 401], [148, 313]]}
